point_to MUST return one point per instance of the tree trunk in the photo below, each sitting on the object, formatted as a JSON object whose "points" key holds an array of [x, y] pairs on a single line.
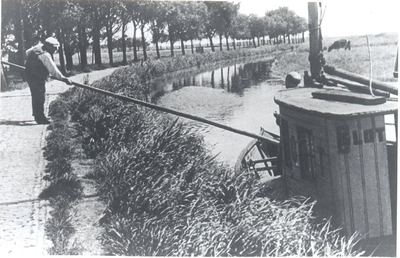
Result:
{"points": [[234, 44], [3, 83], [123, 42], [158, 50], [191, 46], [82, 45], [227, 42], [211, 44], [96, 41], [134, 45], [254, 42], [19, 37], [143, 42], [68, 56], [220, 42], [183, 47], [171, 43], [60, 38], [258, 41], [110, 43]]}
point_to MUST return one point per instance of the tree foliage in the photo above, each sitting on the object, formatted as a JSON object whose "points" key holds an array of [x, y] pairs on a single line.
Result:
{"points": [[81, 24]]}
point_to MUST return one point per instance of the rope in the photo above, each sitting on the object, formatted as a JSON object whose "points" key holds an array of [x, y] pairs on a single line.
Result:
{"points": [[167, 110], [370, 67]]}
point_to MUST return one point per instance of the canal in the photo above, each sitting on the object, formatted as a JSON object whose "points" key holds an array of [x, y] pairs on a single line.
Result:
{"points": [[239, 95]]}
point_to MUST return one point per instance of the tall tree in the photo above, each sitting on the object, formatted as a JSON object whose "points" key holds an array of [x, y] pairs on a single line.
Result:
{"points": [[240, 30], [13, 27], [172, 20], [212, 21], [257, 28], [112, 17], [96, 9], [141, 16], [125, 18], [157, 23], [277, 24]]}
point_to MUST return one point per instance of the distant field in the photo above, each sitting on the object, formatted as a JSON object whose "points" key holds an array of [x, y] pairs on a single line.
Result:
{"points": [[383, 49]]}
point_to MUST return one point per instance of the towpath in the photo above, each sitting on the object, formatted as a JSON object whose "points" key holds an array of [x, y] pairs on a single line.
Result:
{"points": [[22, 215]]}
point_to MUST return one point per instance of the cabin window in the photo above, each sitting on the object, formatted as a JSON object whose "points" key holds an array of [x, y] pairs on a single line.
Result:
{"points": [[286, 142], [381, 133], [368, 135], [391, 127], [306, 153], [343, 138]]}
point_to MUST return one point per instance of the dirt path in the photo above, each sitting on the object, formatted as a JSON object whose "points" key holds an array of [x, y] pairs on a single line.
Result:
{"points": [[22, 215]]}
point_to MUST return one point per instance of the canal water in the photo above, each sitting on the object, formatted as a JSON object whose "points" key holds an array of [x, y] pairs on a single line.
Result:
{"points": [[239, 95]]}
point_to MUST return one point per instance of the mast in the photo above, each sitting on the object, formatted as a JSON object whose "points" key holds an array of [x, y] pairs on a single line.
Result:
{"points": [[315, 41]]}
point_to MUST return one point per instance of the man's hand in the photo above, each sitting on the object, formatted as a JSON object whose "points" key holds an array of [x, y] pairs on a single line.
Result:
{"points": [[67, 81]]}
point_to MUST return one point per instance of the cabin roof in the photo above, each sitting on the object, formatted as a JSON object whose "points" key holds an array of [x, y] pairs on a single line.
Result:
{"points": [[302, 99]]}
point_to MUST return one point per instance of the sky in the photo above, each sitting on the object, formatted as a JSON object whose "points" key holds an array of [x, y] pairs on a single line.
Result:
{"points": [[342, 18]]}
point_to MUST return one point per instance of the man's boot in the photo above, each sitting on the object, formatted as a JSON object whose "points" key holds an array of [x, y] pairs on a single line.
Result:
{"points": [[42, 120]]}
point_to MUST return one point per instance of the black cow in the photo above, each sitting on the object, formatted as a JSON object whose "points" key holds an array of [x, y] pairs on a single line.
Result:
{"points": [[342, 43]]}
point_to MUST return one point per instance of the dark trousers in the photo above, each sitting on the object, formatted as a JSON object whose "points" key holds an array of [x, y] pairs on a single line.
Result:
{"points": [[38, 90]]}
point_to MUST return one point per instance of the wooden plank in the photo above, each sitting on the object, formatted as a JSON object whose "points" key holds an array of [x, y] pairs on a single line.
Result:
{"points": [[357, 184], [349, 97], [371, 186], [382, 170], [338, 177]]}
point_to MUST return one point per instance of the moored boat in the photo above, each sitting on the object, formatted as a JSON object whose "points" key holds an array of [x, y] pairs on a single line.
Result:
{"points": [[261, 157]]}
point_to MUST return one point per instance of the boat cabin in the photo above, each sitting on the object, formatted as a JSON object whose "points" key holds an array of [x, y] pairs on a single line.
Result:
{"points": [[342, 152]]}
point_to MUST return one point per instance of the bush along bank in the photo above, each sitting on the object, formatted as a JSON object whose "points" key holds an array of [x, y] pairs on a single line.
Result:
{"points": [[165, 194]]}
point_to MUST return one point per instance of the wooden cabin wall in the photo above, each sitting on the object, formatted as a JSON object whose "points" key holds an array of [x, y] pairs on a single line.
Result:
{"points": [[361, 183], [352, 186], [320, 188]]}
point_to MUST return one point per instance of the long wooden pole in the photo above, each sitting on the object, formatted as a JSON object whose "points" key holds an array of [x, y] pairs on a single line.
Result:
{"points": [[167, 110], [360, 79], [358, 87], [315, 66]]}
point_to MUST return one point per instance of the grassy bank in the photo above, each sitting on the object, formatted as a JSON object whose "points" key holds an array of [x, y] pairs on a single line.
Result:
{"points": [[164, 193]]}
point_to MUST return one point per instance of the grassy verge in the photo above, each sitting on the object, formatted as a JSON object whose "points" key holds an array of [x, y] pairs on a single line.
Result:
{"points": [[164, 193]]}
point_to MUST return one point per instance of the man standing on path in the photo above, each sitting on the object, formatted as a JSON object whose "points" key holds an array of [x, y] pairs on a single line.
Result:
{"points": [[39, 65]]}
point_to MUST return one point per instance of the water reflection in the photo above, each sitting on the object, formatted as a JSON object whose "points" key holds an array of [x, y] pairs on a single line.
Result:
{"points": [[237, 95], [234, 78]]}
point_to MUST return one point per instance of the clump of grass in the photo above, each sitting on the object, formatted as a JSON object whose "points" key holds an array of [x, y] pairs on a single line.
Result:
{"points": [[67, 185], [59, 228]]}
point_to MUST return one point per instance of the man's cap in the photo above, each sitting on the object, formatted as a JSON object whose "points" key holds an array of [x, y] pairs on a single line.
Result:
{"points": [[52, 42]]}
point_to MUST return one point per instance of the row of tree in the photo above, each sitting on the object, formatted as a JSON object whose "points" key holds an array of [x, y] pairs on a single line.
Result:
{"points": [[78, 24]]}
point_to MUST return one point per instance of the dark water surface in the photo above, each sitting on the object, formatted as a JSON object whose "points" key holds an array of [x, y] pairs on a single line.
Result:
{"points": [[239, 95]]}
